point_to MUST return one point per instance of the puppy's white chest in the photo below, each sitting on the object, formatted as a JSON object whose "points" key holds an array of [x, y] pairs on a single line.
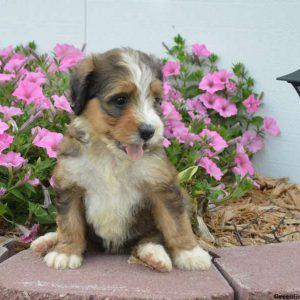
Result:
{"points": [[111, 196]]}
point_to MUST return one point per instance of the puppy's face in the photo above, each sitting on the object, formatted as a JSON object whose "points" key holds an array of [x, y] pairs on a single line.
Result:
{"points": [[119, 92]]}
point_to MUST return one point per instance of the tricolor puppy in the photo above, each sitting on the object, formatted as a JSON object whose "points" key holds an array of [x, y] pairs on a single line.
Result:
{"points": [[113, 178]]}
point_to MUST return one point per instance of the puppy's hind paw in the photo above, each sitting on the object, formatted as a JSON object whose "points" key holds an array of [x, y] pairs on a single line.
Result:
{"points": [[194, 259], [62, 261], [155, 256], [44, 243]]}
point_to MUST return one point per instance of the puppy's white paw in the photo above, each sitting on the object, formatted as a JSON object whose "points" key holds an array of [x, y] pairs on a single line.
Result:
{"points": [[43, 243], [155, 256], [194, 259], [62, 261]]}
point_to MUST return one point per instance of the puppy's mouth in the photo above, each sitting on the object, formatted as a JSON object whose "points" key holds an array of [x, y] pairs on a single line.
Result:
{"points": [[133, 151]]}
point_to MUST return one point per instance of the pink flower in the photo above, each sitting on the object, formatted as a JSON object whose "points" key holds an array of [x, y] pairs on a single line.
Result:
{"points": [[214, 139], [2, 191], [34, 182], [167, 89], [251, 104], [208, 99], [9, 112], [6, 77], [11, 159], [223, 76], [31, 234], [47, 140], [28, 91], [270, 126], [231, 87], [200, 50], [166, 143], [211, 83], [5, 141], [211, 168], [171, 68], [169, 111], [42, 103], [243, 163], [207, 120], [15, 63], [225, 108], [252, 141], [52, 182], [3, 127], [195, 109], [6, 51], [62, 103], [36, 77], [68, 55]]}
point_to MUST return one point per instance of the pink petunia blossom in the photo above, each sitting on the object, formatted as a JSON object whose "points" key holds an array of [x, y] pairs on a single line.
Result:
{"points": [[252, 141], [166, 89], [15, 63], [224, 107], [166, 143], [231, 87], [3, 127], [210, 154], [270, 126], [62, 103], [2, 191], [171, 68], [11, 159], [252, 104], [195, 109], [28, 92], [34, 182], [211, 83], [243, 164], [214, 139], [6, 51], [36, 77], [6, 77], [42, 103], [53, 182], [68, 56], [169, 111], [223, 76], [29, 235], [200, 50], [211, 168], [208, 99], [47, 139], [8, 112], [5, 141]]}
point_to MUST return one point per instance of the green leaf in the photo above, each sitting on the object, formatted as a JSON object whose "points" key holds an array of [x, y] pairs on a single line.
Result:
{"points": [[41, 214], [17, 194], [187, 174], [257, 121], [2, 209]]}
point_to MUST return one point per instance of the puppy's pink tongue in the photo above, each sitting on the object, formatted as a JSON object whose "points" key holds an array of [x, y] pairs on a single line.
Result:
{"points": [[135, 152]]}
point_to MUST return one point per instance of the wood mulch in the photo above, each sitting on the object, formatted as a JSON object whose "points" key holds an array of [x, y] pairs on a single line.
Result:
{"points": [[268, 214]]}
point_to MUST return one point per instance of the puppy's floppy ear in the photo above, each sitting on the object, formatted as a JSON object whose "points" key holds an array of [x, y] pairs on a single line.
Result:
{"points": [[82, 84]]}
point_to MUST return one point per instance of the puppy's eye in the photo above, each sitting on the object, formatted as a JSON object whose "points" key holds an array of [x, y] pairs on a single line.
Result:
{"points": [[158, 99], [120, 100]]}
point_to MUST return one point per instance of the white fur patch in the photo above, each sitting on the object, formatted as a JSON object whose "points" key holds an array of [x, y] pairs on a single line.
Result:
{"points": [[194, 259], [62, 261], [156, 256], [43, 243]]}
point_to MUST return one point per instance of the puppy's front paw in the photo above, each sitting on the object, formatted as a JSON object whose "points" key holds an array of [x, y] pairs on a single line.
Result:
{"points": [[194, 259], [63, 261], [155, 256], [44, 243]]}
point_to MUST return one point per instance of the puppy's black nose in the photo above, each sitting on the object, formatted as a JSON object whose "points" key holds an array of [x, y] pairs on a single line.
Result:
{"points": [[146, 132]]}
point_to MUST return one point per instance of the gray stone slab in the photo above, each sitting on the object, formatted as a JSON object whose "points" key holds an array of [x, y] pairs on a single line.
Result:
{"points": [[262, 272], [105, 277], [9, 244], [4, 254]]}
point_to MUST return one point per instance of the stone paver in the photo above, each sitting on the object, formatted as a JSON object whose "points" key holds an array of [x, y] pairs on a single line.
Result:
{"points": [[262, 272], [25, 276]]}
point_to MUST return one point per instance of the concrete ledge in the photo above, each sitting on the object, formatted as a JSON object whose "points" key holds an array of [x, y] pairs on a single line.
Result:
{"points": [[25, 276], [262, 272], [4, 254]]}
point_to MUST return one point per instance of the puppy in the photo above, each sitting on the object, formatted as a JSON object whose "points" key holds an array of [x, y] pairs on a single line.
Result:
{"points": [[113, 178]]}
